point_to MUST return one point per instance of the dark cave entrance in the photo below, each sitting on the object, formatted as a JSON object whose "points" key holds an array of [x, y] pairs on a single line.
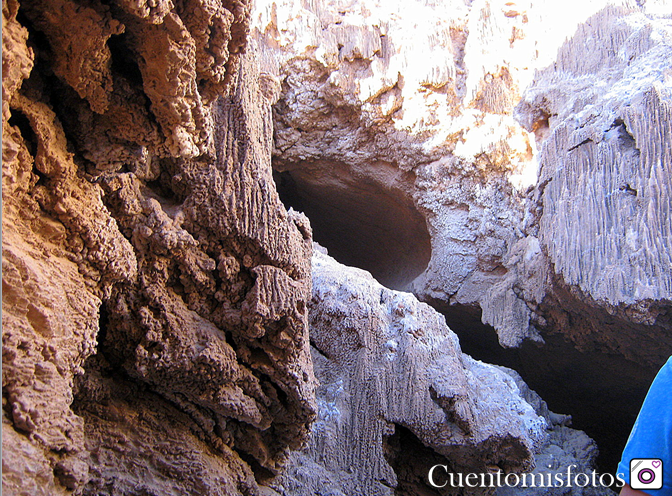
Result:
{"points": [[411, 461], [361, 222], [602, 392]]}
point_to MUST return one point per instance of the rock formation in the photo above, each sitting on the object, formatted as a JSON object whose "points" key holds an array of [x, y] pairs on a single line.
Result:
{"points": [[398, 396], [496, 170], [396, 123], [604, 196], [157, 308], [154, 287], [367, 118], [594, 266]]}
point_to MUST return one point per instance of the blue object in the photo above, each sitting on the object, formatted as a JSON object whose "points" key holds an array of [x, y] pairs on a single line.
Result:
{"points": [[651, 438]]}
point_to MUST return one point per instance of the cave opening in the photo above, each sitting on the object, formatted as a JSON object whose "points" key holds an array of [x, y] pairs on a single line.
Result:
{"points": [[19, 120], [602, 392], [124, 61], [365, 224], [362, 222]]}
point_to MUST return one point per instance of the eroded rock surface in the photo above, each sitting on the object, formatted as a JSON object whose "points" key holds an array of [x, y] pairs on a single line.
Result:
{"points": [[410, 105], [397, 396], [605, 190], [594, 267], [553, 234], [380, 103], [368, 117], [154, 287]]}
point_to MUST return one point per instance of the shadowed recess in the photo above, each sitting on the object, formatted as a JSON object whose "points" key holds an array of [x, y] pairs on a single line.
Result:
{"points": [[602, 392], [362, 222]]}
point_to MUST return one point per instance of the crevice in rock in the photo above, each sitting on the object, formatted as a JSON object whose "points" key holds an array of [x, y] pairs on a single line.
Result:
{"points": [[628, 189], [411, 461], [541, 127], [584, 142], [318, 350], [601, 391], [164, 194], [21, 122], [361, 222], [37, 40], [124, 61], [261, 474], [625, 138], [103, 322]]}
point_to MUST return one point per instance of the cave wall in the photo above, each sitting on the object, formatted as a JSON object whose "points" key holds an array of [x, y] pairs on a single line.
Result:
{"points": [[493, 130], [532, 138], [413, 101], [154, 287], [604, 197], [593, 274], [366, 109], [156, 292]]}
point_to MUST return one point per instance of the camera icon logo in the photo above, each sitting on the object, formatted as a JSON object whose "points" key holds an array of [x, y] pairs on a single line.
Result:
{"points": [[646, 473]]}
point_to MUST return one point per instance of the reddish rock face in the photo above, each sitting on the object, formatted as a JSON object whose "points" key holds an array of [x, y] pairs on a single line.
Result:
{"points": [[156, 292], [154, 287]]}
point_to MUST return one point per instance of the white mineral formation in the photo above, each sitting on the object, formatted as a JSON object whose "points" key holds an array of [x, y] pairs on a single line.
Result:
{"points": [[396, 134], [604, 200], [397, 396]]}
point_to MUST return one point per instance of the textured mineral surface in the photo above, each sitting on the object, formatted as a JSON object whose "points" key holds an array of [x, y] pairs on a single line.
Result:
{"points": [[424, 150], [506, 163], [154, 287], [164, 329], [398, 396]]}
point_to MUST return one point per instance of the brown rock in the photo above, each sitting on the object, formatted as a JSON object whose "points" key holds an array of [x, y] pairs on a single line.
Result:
{"points": [[154, 287]]}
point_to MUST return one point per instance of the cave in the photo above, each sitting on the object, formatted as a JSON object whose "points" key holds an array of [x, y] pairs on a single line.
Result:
{"points": [[411, 461], [157, 305], [365, 225], [360, 221]]}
